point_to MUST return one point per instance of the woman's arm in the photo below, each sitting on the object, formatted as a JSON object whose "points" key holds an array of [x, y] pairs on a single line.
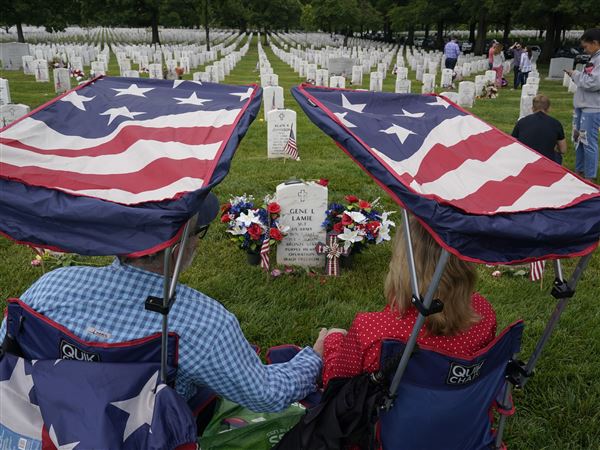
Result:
{"points": [[343, 355]]}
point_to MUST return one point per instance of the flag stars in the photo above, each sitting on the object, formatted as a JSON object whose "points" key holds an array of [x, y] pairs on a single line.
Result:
{"points": [[342, 117], [118, 112], [176, 83], [357, 107], [192, 100], [439, 101], [132, 90], [244, 95], [400, 132], [405, 113], [77, 100]]}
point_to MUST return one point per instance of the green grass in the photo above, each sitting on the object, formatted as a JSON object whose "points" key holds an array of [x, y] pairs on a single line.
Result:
{"points": [[559, 407]]}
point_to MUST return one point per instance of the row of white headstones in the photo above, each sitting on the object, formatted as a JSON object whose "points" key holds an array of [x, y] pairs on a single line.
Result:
{"points": [[80, 56]]}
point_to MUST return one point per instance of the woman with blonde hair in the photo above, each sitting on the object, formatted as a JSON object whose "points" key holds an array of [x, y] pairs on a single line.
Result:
{"points": [[466, 324], [498, 62]]}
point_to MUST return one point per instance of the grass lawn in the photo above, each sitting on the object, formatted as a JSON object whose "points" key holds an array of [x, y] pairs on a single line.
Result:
{"points": [[559, 407]]}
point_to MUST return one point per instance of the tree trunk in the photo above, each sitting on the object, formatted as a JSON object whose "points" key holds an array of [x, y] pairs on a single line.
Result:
{"points": [[206, 25], [410, 39], [506, 33], [426, 31], [440, 34], [155, 37], [553, 27], [472, 27], [20, 37], [387, 33], [481, 32]]}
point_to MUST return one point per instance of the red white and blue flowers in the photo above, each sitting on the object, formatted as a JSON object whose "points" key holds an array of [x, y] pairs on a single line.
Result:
{"points": [[358, 223], [248, 224]]}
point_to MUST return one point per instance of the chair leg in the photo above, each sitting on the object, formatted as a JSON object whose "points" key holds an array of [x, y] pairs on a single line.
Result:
{"points": [[503, 417]]}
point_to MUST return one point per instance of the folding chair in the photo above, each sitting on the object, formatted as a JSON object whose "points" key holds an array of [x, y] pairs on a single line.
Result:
{"points": [[445, 402]]}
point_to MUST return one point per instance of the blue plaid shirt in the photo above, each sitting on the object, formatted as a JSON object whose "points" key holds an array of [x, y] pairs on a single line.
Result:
{"points": [[452, 50], [107, 304]]}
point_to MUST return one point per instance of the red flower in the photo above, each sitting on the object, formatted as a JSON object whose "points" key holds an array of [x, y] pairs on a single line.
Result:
{"points": [[346, 219], [274, 208], [338, 227], [323, 181], [373, 227], [226, 207], [351, 198], [363, 204], [225, 218], [276, 234], [254, 231]]}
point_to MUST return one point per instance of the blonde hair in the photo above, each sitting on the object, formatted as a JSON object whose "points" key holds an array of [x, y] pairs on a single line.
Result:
{"points": [[498, 48], [455, 288]]}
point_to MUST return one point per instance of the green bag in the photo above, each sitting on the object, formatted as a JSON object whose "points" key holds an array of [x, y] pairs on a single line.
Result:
{"points": [[234, 427]]}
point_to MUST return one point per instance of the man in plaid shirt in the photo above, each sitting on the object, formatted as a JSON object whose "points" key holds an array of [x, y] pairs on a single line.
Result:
{"points": [[106, 304]]}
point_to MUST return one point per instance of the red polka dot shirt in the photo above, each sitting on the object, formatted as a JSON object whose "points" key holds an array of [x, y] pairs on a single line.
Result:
{"points": [[359, 350]]}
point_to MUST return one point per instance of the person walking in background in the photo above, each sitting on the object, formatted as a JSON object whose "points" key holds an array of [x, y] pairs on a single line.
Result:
{"points": [[451, 51], [541, 132], [516, 54], [586, 103], [491, 54], [498, 62], [525, 66]]}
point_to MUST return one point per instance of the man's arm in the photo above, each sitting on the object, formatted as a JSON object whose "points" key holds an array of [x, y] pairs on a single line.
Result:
{"points": [[234, 370], [561, 146]]}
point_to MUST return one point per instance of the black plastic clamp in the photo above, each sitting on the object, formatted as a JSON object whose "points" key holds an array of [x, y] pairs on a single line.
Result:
{"points": [[156, 304], [516, 373], [562, 289], [435, 307]]}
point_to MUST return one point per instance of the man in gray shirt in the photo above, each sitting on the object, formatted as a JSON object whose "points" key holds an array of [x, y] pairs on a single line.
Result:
{"points": [[586, 102]]}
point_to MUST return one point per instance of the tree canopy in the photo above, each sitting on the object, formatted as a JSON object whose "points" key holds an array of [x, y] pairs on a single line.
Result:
{"points": [[381, 19]]}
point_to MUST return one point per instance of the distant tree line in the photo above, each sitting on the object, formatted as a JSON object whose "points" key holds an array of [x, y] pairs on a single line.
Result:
{"points": [[383, 19]]}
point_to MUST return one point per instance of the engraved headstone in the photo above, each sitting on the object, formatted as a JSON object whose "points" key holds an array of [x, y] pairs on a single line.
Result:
{"points": [[558, 66], [403, 86], [272, 99], [322, 78], [281, 128], [27, 61], [4, 92], [466, 93], [62, 80], [155, 71], [357, 75], [10, 113], [11, 55], [303, 207], [131, 74], [340, 66], [447, 77], [376, 82], [428, 83], [42, 74], [269, 79], [337, 82]]}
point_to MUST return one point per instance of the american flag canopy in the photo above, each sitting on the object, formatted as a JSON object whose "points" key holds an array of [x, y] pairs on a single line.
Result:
{"points": [[482, 194], [139, 154]]}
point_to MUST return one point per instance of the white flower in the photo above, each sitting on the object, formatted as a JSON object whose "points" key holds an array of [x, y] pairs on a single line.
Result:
{"points": [[247, 219], [268, 199], [237, 230], [357, 216], [384, 234], [283, 228], [350, 237], [241, 199]]}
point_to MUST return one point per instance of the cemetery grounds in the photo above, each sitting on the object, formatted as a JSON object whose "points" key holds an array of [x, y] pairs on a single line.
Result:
{"points": [[559, 408]]}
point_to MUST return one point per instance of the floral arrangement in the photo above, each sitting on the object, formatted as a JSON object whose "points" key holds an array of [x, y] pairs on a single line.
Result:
{"points": [[358, 223], [77, 74], [248, 224], [490, 90]]}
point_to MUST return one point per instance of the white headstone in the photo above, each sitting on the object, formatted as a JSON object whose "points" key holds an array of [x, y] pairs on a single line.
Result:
{"points": [[428, 83], [11, 55], [62, 80], [572, 86], [447, 77], [376, 82], [10, 113], [131, 74], [155, 71], [98, 68], [419, 72], [452, 96], [490, 76], [311, 72], [322, 78], [303, 207], [281, 127], [403, 86], [269, 79], [76, 63], [566, 80], [27, 61], [42, 74], [4, 92], [466, 93], [272, 99], [558, 66], [357, 75], [337, 82], [340, 66], [479, 85], [402, 73], [526, 106]]}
